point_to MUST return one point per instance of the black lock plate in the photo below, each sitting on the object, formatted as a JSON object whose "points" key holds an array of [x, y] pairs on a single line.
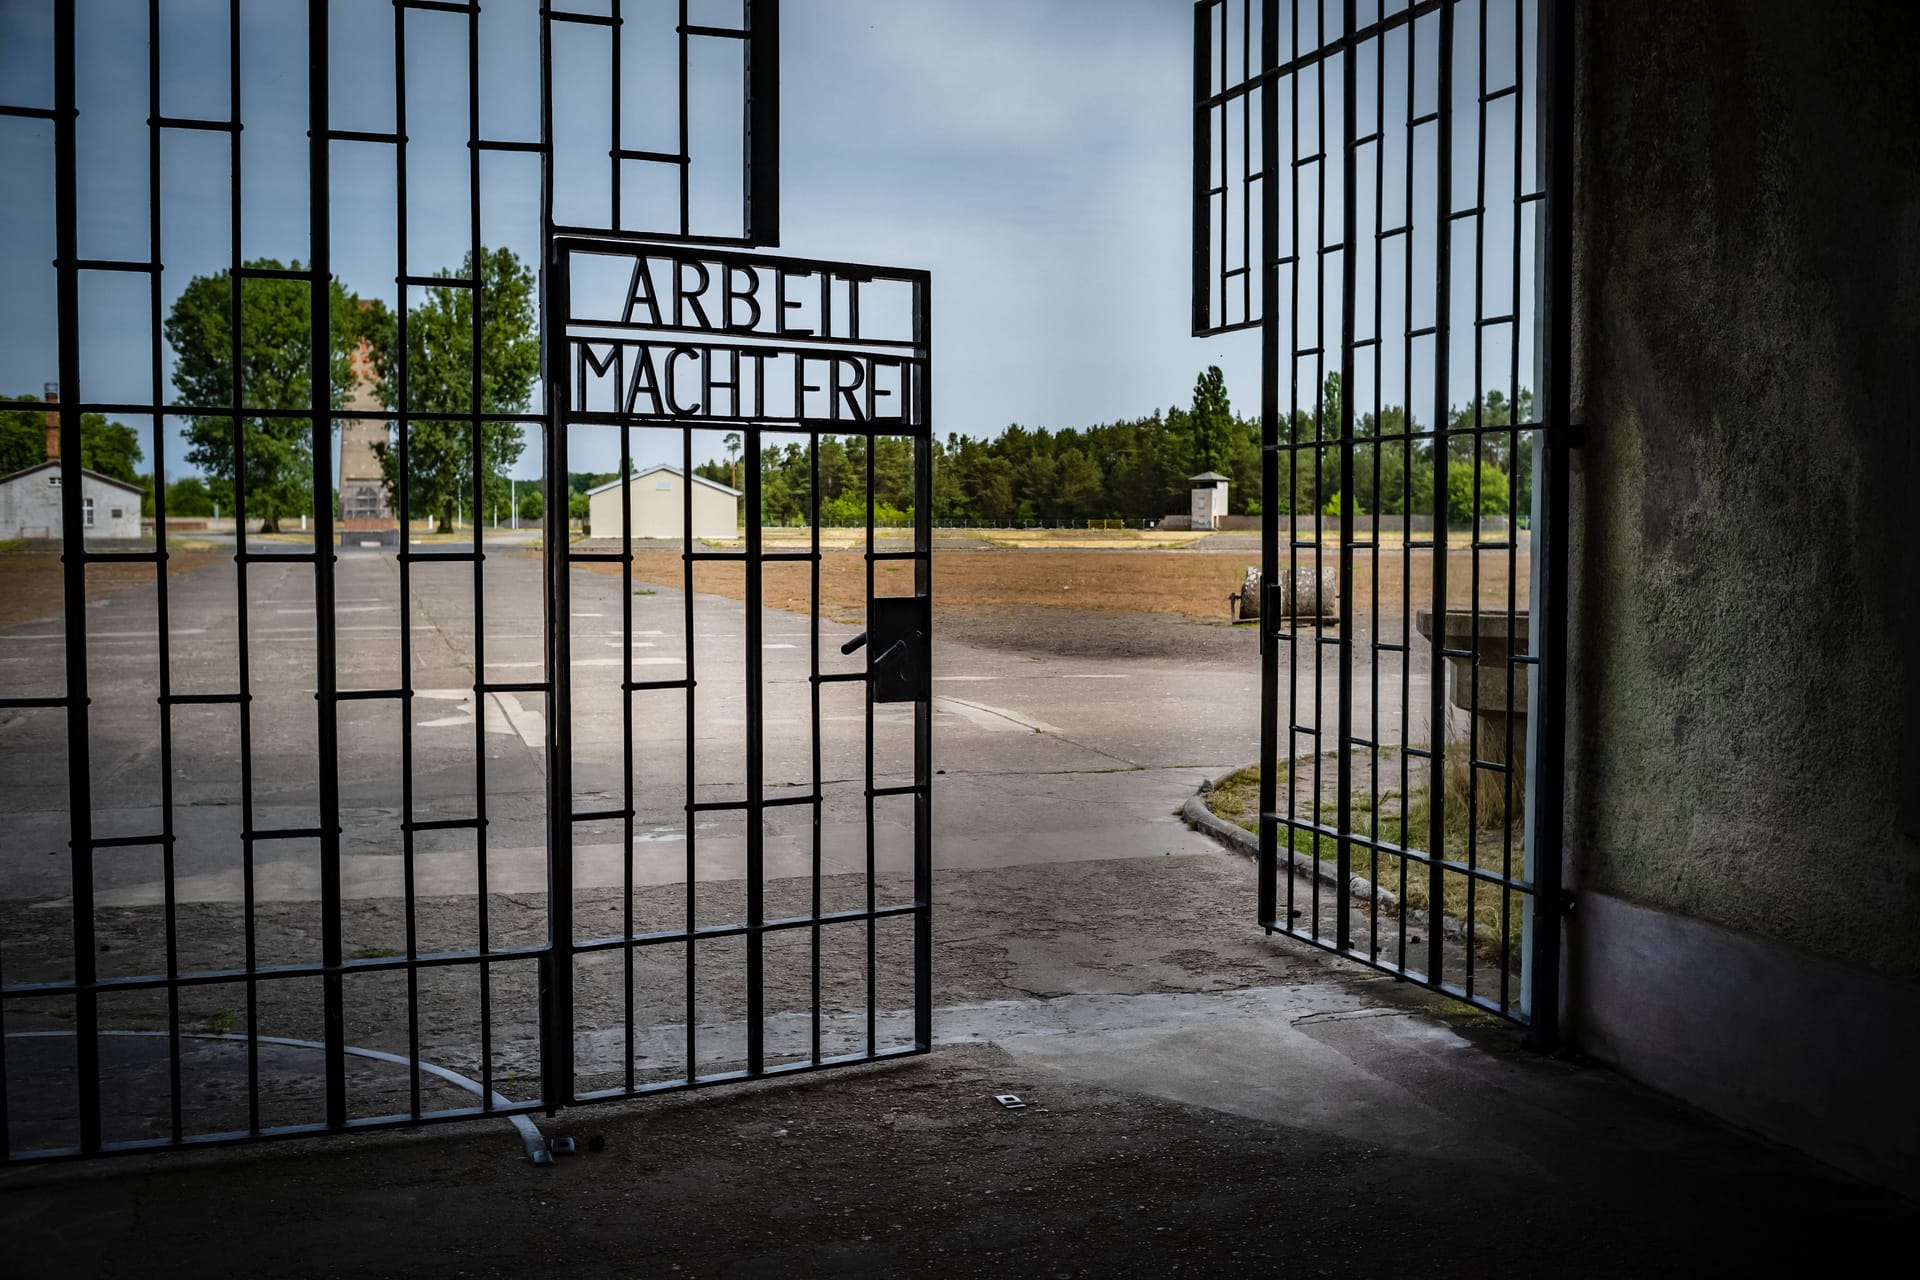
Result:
{"points": [[899, 649]]}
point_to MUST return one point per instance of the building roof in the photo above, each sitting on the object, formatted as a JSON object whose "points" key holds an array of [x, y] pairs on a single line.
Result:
{"points": [[85, 471], [1212, 475], [658, 467]]}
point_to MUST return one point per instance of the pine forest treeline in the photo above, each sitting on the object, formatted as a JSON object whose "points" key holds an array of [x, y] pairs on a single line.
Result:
{"points": [[1140, 469]]}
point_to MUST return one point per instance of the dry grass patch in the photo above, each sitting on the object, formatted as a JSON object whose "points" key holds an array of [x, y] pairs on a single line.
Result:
{"points": [[1476, 824]]}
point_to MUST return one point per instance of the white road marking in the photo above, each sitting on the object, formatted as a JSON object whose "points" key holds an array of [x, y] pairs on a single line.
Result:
{"points": [[505, 715], [586, 615], [1115, 676], [994, 719], [778, 646]]}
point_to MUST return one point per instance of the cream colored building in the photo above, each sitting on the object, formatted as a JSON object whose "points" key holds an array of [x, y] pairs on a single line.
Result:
{"points": [[659, 506]]}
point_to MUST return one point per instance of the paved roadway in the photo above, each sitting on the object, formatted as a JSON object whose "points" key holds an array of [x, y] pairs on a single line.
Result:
{"points": [[1042, 758]]}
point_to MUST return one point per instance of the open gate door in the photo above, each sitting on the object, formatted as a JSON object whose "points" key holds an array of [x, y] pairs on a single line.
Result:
{"points": [[1379, 188], [742, 851], [340, 832]]}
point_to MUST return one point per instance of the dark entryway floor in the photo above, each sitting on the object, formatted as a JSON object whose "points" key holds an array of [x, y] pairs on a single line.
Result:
{"points": [[1234, 1104]]}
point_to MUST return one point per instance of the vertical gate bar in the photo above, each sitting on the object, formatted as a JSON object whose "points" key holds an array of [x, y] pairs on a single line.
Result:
{"points": [[626, 725], [693, 795], [1246, 162], [1292, 631], [66, 184], [1379, 426], [762, 52], [236, 326], [686, 180], [1202, 202], [1513, 507], [923, 707], [1226, 16], [756, 763], [1270, 463], [326, 651], [1546, 778], [819, 782], [556, 968], [478, 295], [613, 149], [1442, 322], [1349, 231], [1474, 530], [162, 602], [873, 962], [1320, 459], [1406, 487], [402, 426]]}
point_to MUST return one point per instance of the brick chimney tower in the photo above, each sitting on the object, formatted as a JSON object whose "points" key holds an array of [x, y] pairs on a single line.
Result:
{"points": [[53, 424]]}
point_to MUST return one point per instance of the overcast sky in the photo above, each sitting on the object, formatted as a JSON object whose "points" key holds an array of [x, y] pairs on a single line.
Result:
{"points": [[1033, 154]]}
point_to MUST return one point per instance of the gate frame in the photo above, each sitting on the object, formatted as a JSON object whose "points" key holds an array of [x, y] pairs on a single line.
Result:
{"points": [[1545, 901], [558, 1066]]}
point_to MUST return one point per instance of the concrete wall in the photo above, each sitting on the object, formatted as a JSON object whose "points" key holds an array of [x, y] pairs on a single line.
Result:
{"points": [[30, 506], [659, 510], [1744, 736]]}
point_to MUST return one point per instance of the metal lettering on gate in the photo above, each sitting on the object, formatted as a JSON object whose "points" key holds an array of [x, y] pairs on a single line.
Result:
{"points": [[1382, 191], [414, 906]]}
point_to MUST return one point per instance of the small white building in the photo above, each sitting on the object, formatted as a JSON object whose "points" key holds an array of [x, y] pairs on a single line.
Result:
{"points": [[659, 506], [30, 504], [1209, 500]]}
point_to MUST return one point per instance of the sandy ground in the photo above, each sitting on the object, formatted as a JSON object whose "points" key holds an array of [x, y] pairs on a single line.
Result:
{"points": [[1107, 572], [32, 584], [1189, 584]]}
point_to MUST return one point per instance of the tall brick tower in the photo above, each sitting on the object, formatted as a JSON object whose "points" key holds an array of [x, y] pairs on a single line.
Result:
{"points": [[363, 495]]}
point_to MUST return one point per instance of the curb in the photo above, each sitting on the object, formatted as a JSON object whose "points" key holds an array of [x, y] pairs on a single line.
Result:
{"points": [[1240, 840]]}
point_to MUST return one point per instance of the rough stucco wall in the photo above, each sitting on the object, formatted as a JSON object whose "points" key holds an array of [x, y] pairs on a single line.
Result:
{"points": [[1744, 721]]}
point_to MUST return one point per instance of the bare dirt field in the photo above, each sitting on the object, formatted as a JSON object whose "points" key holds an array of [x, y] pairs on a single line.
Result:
{"points": [[32, 586], [1189, 584]]}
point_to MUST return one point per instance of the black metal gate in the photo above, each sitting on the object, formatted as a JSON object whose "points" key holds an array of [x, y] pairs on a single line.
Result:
{"points": [[1380, 188], [413, 916]]}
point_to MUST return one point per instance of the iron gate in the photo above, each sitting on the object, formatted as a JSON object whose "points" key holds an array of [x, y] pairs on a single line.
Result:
{"points": [[405, 907], [1380, 188]]}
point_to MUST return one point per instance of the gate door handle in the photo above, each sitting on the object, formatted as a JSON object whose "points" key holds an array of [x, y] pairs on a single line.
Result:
{"points": [[854, 643]]}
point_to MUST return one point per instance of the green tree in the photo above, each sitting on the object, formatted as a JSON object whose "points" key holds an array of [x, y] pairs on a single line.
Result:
{"points": [[111, 448], [23, 438], [533, 504], [189, 496], [732, 441], [1212, 419], [275, 464], [439, 377], [1493, 492]]}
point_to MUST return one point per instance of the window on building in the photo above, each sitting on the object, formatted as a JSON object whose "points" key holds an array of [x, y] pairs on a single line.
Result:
{"points": [[86, 512], [119, 513], [54, 480]]}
